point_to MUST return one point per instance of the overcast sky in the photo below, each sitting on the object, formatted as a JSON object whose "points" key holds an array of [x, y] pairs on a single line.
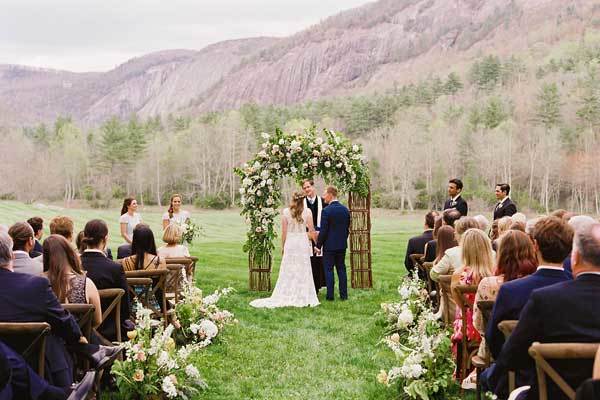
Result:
{"points": [[97, 35]]}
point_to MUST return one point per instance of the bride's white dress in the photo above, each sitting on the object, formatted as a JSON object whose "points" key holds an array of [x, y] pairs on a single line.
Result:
{"points": [[295, 286]]}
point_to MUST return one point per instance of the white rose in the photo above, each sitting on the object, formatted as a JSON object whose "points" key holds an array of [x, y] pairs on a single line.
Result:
{"points": [[275, 148], [209, 328], [405, 318], [269, 181], [339, 165], [314, 162], [355, 148], [327, 164], [344, 151], [263, 183], [294, 170], [304, 165], [281, 141]]}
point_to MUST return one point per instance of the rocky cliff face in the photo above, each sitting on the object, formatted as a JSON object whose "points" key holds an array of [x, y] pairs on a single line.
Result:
{"points": [[363, 49]]}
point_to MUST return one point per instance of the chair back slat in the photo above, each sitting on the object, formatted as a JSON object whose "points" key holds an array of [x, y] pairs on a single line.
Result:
{"points": [[152, 281], [444, 284], [485, 307], [188, 262], [465, 346], [84, 315], [174, 279], [115, 296], [507, 327], [542, 352], [14, 334]]}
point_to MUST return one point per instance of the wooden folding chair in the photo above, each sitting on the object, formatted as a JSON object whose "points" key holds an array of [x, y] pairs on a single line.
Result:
{"points": [[485, 307], [446, 300], [507, 327], [27, 339], [113, 295], [542, 352], [84, 315], [173, 281], [152, 281], [466, 347], [188, 262]]}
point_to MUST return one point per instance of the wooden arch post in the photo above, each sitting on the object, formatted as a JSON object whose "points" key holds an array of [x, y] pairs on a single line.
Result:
{"points": [[360, 240]]}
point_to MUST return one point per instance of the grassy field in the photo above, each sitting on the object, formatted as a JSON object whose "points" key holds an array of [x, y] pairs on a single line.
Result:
{"points": [[328, 351]]}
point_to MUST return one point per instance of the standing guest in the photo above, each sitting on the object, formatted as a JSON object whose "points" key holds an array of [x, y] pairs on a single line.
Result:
{"points": [[564, 312], [105, 274], [478, 261], [552, 239], [315, 204], [172, 237], [431, 246], [175, 214], [333, 239], [37, 224], [505, 207], [63, 226], [68, 280], [128, 220], [455, 201], [416, 245], [23, 242], [450, 216]]}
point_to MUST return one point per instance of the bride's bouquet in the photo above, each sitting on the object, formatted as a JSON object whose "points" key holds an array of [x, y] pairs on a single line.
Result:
{"points": [[190, 231]]}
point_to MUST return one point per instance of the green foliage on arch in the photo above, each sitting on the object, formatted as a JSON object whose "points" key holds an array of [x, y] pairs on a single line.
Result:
{"points": [[300, 156]]}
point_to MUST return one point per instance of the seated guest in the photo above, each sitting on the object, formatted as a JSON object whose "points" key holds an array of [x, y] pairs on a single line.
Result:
{"points": [[590, 389], [452, 259], [446, 239], [517, 226], [144, 251], [553, 241], [37, 224], [23, 242], [28, 298], [416, 245], [172, 237], [81, 246], [564, 312], [430, 247], [484, 223], [576, 222], [516, 258], [19, 381], [504, 224], [105, 274], [62, 226], [449, 217], [477, 264], [67, 278], [519, 217]]}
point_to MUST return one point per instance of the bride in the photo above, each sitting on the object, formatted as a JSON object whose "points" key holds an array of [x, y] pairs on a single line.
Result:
{"points": [[295, 286]]}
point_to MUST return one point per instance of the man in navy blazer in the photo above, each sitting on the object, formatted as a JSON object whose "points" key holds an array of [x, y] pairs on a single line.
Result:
{"points": [[553, 241], [565, 312], [333, 239]]}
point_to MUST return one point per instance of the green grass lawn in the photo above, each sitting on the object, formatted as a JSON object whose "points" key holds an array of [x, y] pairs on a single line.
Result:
{"points": [[329, 351]]}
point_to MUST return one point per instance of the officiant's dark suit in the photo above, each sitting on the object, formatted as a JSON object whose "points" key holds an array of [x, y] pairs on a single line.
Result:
{"points": [[333, 239], [460, 204], [316, 262]]}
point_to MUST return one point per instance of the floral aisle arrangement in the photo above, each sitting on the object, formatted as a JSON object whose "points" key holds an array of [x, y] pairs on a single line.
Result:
{"points": [[200, 317], [424, 363], [301, 155], [153, 365]]}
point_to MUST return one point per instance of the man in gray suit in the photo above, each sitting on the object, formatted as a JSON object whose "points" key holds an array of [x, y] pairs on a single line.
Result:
{"points": [[23, 242]]}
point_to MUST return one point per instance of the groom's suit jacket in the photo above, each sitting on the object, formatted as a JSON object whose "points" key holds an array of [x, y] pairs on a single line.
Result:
{"points": [[317, 210], [335, 227]]}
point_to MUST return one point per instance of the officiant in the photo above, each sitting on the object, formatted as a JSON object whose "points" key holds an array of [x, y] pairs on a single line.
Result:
{"points": [[316, 205]]}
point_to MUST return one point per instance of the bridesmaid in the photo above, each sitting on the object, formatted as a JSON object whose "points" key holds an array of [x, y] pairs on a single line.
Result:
{"points": [[175, 214], [129, 220]]}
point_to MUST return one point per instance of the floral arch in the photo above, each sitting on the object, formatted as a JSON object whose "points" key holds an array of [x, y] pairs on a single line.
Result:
{"points": [[300, 156]]}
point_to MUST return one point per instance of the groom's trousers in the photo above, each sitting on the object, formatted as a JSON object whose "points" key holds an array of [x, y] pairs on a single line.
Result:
{"points": [[335, 258]]}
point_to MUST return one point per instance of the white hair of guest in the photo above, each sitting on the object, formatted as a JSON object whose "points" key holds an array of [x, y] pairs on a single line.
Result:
{"points": [[530, 224], [519, 217], [484, 223], [6, 254], [578, 222]]}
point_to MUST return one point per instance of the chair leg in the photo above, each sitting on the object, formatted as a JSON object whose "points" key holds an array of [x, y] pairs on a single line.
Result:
{"points": [[478, 388]]}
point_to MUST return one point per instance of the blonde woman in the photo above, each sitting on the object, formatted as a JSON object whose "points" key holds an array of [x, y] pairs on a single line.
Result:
{"points": [[295, 286], [172, 237], [478, 263]]}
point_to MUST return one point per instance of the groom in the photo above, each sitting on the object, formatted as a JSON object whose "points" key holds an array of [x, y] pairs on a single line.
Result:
{"points": [[316, 205], [333, 237]]}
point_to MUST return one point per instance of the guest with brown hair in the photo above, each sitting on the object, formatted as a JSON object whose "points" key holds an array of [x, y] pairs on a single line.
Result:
{"points": [[62, 225], [23, 241], [67, 278], [431, 246], [37, 224], [452, 258], [416, 245]]}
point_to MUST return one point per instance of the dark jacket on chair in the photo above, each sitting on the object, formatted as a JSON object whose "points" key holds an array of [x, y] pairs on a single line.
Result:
{"points": [[29, 298], [416, 245], [335, 227], [107, 274], [566, 312]]}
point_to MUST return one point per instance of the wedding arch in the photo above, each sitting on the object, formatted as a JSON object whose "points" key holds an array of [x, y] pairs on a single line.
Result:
{"points": [[301, 156]]}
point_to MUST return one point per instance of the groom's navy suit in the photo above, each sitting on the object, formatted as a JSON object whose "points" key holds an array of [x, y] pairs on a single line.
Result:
{"points": [[333, 239]]}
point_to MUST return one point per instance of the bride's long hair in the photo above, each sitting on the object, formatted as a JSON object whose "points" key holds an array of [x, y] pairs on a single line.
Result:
{"points": [[297, 206]]}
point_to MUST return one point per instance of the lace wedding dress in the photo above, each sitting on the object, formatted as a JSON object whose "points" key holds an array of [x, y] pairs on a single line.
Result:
{"points": [[295, 286]]}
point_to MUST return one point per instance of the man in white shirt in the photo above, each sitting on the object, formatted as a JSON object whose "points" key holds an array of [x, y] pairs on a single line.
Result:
{"points": [[315, 204]]}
